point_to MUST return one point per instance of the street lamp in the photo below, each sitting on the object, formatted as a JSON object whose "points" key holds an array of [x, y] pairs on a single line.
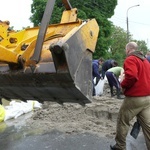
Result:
{"points": [[128, 22]]}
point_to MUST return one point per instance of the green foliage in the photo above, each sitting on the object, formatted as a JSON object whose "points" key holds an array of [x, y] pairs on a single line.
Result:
{"points": [[37, 9], [142, 46], [118, 40], [101, 10], [117, 46], [56, 17]]}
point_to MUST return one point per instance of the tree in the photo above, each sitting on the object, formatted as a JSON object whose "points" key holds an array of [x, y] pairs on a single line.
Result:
{"points": [[37, 10], [101, 10], [117, 45], [142, 46], [118, 41]]}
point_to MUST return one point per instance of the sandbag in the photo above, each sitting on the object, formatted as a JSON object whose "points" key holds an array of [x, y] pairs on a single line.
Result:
{"points": [[16, 109], [100, 87]]}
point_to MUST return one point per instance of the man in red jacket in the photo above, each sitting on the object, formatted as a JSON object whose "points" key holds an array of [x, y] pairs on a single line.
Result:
{"points": [[136, 88]]}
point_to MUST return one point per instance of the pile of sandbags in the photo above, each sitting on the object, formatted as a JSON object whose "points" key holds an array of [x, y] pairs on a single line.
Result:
{"points": [[16, 109]]}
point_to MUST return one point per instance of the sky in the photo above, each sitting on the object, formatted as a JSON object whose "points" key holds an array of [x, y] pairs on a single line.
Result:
{"points": [[138, 18], [18, 13]]}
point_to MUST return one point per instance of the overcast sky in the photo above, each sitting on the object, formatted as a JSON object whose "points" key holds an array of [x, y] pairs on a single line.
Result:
{"points": [[19, 11], [138, 18]]}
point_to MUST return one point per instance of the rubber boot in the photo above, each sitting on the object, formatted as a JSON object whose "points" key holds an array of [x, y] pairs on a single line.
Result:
{"points": [[118, 94], [111, 91]]}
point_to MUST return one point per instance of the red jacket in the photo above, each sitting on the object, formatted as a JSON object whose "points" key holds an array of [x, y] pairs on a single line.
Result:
{"points": [[137, 76]]}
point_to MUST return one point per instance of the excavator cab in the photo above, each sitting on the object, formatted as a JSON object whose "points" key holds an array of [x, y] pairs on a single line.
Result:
{"points": [[49, 62]]}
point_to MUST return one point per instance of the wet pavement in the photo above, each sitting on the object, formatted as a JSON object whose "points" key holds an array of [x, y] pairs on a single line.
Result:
{"points": [[17, 135]]}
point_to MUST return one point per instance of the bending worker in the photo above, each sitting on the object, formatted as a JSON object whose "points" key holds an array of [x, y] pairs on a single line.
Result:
{"points": [[107, 65], [112, 75]]}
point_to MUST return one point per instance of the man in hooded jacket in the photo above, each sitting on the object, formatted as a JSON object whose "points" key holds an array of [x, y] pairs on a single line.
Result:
{"points": [[95, 72], [136, 88]]}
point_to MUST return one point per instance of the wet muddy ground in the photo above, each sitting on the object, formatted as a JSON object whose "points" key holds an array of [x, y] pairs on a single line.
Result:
{"points": [[67, 127], [17, 135]]}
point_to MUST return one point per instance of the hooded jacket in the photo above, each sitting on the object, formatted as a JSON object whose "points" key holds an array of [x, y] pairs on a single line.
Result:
{"points": [[137, 75], [95, 68]]}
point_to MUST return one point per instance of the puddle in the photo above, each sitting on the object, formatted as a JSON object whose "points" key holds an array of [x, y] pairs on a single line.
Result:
{"points": [[17, 129]]}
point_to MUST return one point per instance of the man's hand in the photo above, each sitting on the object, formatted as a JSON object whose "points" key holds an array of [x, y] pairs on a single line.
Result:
{"points": [[121, 77]]}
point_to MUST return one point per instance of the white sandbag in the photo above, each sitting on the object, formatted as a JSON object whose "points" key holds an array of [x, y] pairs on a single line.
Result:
{"points": [[94, 80], [16, 109], [100, 87], [35, 104]]}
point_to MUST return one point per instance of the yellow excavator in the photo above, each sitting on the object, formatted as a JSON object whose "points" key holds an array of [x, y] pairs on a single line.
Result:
{"points": [[52, 62]]}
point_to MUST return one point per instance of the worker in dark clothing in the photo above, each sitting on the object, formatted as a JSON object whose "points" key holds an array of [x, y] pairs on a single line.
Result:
{"points": [[107, 65], [95, 72]]}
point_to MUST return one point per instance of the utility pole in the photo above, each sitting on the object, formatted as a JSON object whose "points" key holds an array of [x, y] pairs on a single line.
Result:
{"points": [[128, 21]]}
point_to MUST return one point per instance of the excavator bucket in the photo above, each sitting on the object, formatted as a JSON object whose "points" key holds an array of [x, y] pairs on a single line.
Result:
{"points": [[50, 62]]}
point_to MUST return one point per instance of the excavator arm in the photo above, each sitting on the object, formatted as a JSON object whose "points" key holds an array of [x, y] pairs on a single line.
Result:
{"points": [[50, 62], [67, 4]]}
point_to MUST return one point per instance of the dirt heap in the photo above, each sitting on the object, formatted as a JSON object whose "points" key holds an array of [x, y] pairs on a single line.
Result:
{"points": [[98, 117]]}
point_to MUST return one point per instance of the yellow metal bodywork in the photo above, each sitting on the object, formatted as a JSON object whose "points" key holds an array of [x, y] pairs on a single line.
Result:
{"points": [[12, 42], [50, 62], [69, 16], [4, 26]]}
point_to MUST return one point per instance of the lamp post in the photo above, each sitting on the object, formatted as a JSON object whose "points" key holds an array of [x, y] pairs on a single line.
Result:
{"points": [[128, 22]]}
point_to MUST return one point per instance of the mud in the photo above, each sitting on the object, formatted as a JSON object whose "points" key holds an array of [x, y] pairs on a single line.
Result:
{"points": [[98, 117]]}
